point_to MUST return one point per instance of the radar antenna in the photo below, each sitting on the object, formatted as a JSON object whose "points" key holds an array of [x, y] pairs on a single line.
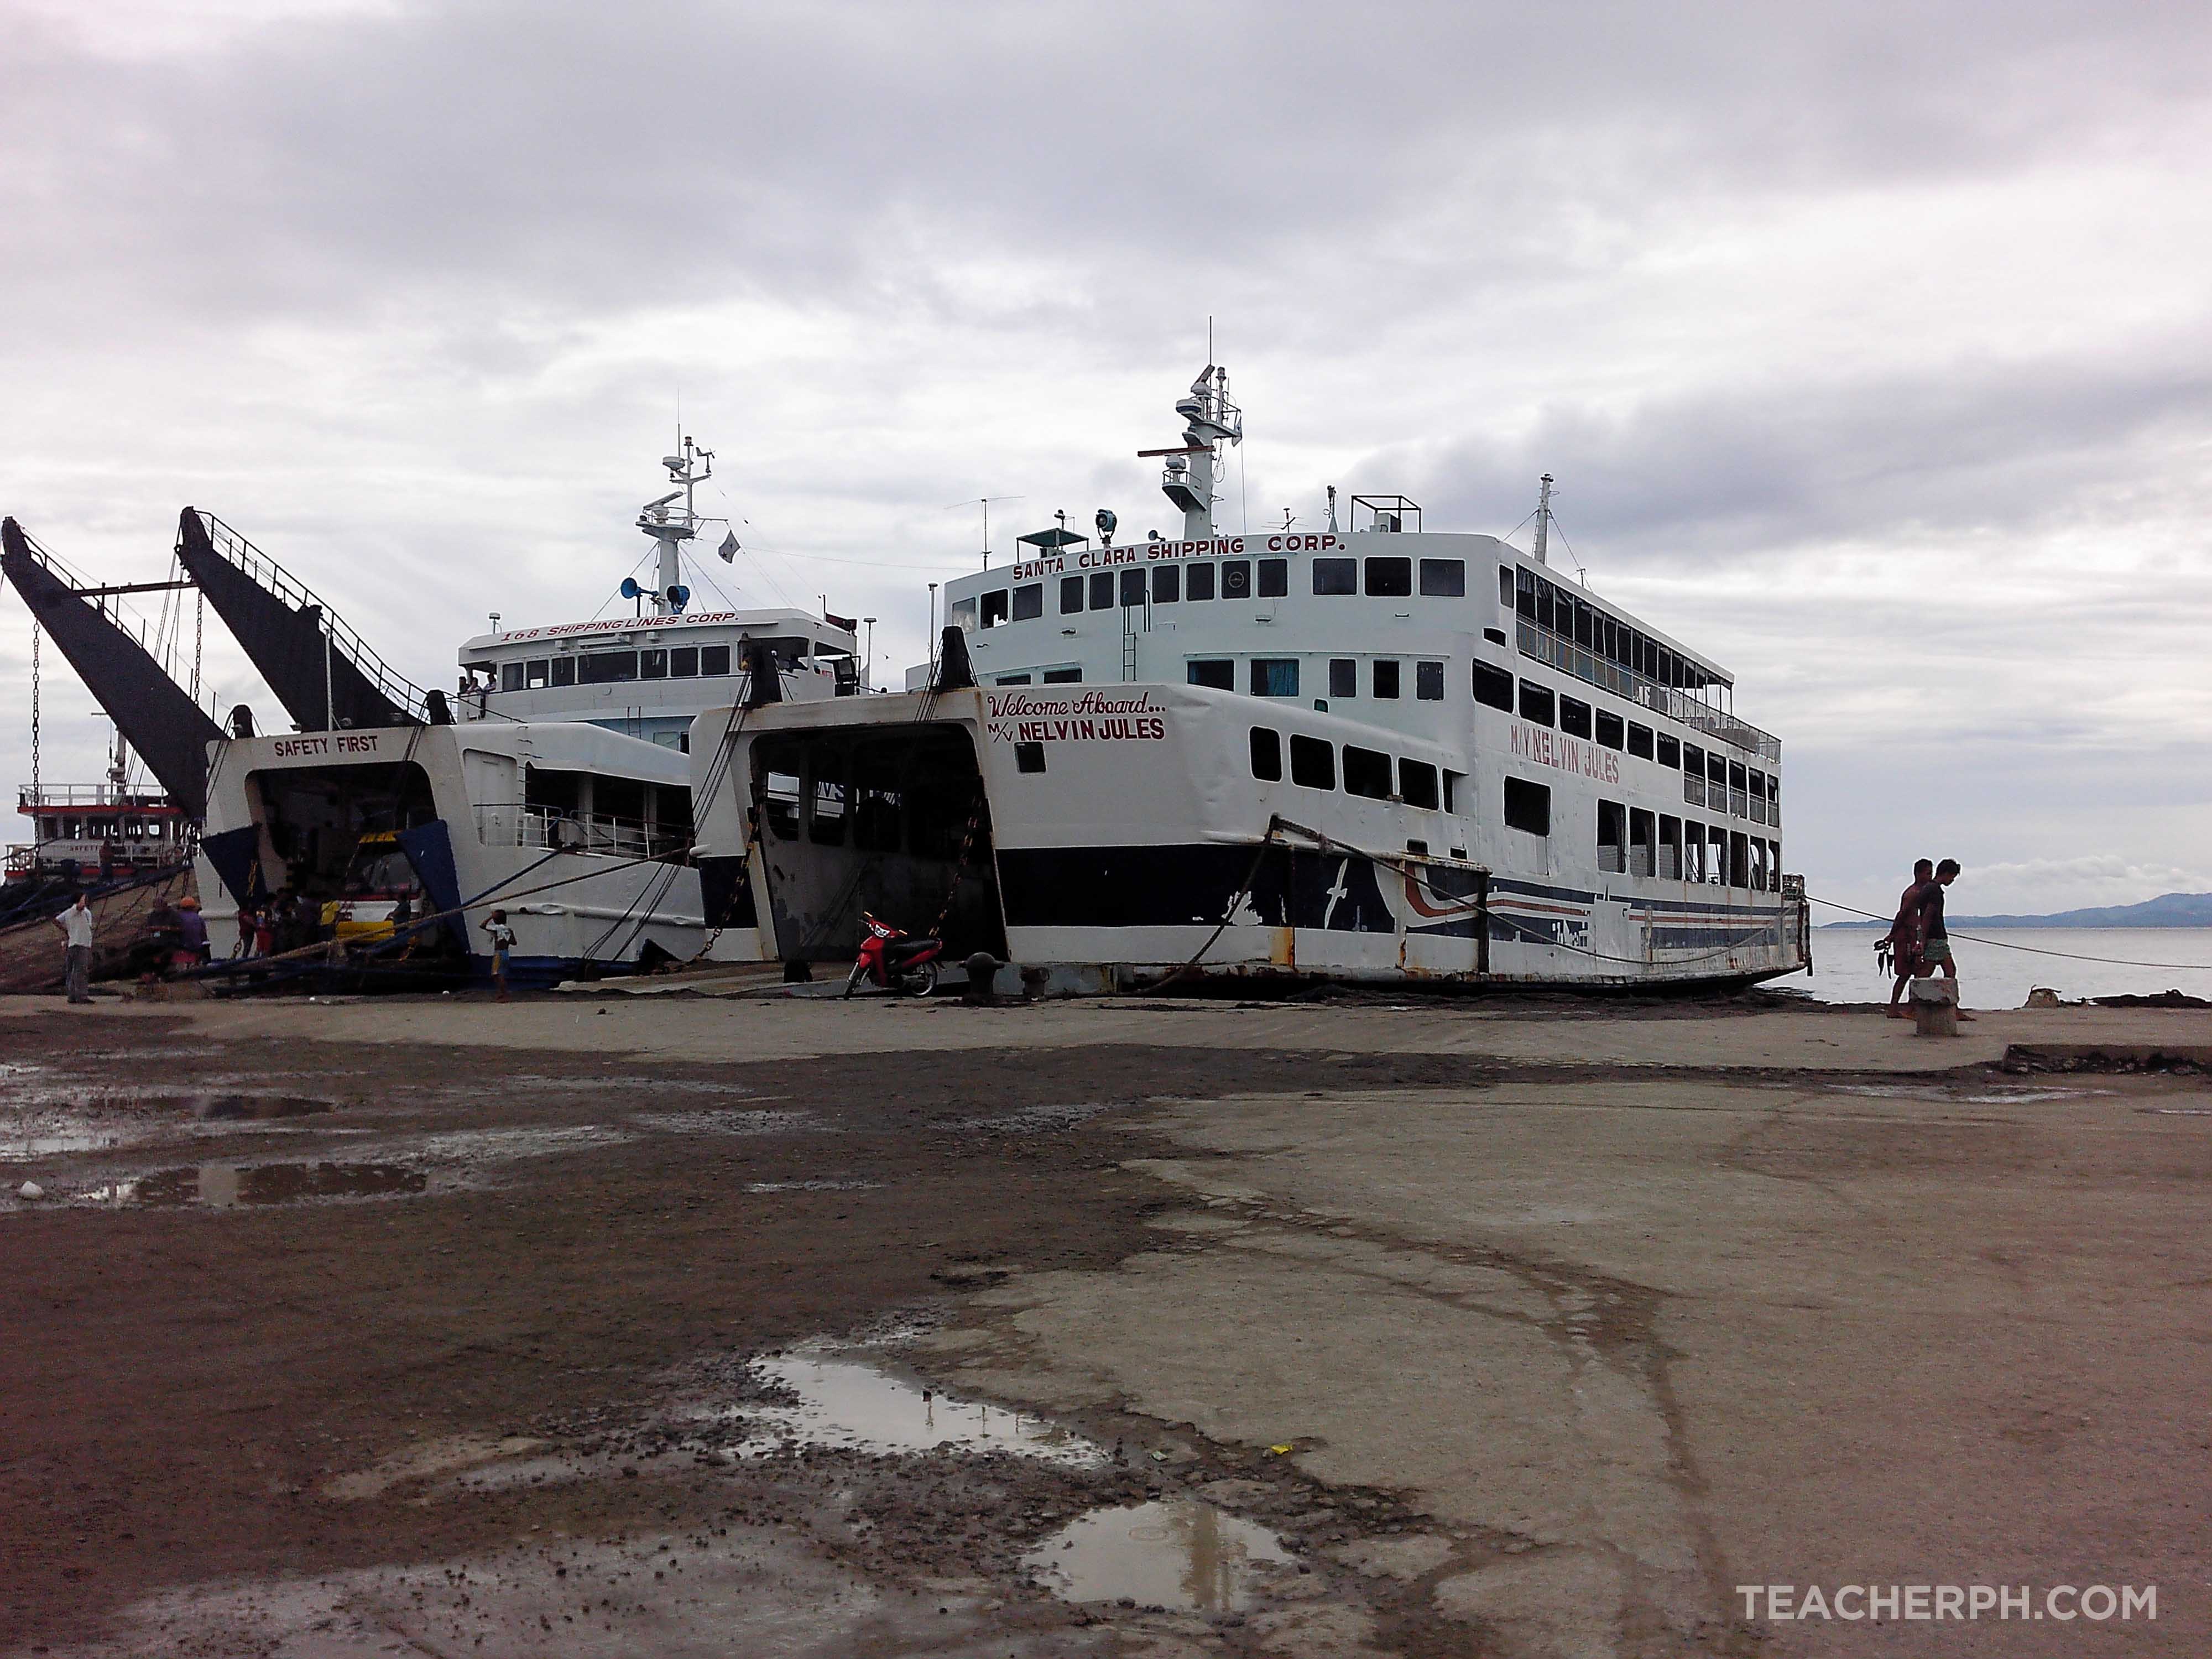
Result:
{"points": [[670, 526]]}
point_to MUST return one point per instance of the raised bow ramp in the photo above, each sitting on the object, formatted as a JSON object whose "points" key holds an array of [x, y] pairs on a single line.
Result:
{"points": [[323, 673], [168, 731]]}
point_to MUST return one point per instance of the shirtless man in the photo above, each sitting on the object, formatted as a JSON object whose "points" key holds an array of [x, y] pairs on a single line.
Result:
{"points": [[1903, 939], [1935, 942]]}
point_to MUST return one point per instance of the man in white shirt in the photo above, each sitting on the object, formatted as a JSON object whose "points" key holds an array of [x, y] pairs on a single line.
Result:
{"points": [[75, 925]]}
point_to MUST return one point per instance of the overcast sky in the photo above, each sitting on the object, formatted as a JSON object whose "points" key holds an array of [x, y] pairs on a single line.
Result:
{"points": [[1869, 343]]}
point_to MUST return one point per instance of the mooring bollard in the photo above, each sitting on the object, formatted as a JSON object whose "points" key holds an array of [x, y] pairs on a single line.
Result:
{"points": [[982, 973], [1935, 1006]]}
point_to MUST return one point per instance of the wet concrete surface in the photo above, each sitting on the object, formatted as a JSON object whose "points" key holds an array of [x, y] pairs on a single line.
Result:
{"points": [[1306, 1352]]}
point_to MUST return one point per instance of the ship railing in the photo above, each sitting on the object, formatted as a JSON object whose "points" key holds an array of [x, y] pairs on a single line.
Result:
{"points": [[393, 686], [61, 796], [1546, 647], [550, 828]]}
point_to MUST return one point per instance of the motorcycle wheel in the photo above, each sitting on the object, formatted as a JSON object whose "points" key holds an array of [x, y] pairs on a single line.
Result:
{"points": [[853, 980], [918, 981]]}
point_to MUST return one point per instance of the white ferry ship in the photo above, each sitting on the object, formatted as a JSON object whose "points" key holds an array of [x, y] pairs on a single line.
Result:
{"points": [[1362, 751], [552, 784]]}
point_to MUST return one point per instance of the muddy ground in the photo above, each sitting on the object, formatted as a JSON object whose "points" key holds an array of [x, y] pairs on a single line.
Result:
{"points": [[454, 1365]]}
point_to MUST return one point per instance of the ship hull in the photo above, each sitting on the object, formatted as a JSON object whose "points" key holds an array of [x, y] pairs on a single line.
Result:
{"points": [[1116, 837]]}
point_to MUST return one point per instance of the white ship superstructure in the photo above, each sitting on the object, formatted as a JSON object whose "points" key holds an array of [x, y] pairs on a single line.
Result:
{"points": [[552, 785], [1360, 750]]}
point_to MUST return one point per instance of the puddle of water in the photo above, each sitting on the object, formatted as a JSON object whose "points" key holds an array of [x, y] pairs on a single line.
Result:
{"points": [[457, 1452], [812, 1186], [1179, 1553], [14, 1149], [259, 1108], [1038, 1119], [226, 1186], [726, 1123], [503, 1144], [851, 1404]]}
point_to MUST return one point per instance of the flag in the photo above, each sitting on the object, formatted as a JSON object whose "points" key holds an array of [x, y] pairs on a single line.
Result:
{"points": [[729, 550], [850, 624]]}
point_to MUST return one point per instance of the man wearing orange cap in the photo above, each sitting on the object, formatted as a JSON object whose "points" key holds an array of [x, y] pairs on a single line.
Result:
{"points": [[191, 929]]}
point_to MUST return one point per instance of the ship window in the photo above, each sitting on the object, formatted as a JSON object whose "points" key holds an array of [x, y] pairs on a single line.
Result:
{"points": [[1343, 676], [1505, 587], [1543, 605], [1528, 806], [1612, 731], [1429, 682], [1670, 848], [608, 667], [962, 614], [1236, 578], [1390, 577], [1336, 575], [1493, 686], [1063, 676], [1028, 602], [1612, 825], [1220, 673], [683, 663], [510, 676], [1274, 578], [1641, 861], [1199, 583], [534, 671], [1167, 584], [1417, 784], [1738, 870], [1386, 677], [1495, 635], [1452, 781], [653, 665], [1013, 679], [1028, 757], [876, 818], [564, 669], [1535, 702], [1366, 773], [994, 607], [1313, 762], [1736, 774], [1266, 755], [1716, 856], [714, 659], [1444, 578], [1524, 594], [1133, 587], [1639, 740], [779, 805], [1102, 590], [1586, 624], [1717, 770], [1574, 716], [1071, 595], [1275, 676], [1668, 750], [827, 824]]}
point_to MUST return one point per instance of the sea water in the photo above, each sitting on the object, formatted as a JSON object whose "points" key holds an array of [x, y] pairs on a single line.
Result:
{"points": [[1998, 966]]}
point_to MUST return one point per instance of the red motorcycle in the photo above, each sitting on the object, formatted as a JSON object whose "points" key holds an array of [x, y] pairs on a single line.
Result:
{"points": [[895, 961]]}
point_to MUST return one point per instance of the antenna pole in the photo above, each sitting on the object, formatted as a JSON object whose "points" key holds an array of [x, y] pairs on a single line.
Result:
{"points": [[1543, 517]]}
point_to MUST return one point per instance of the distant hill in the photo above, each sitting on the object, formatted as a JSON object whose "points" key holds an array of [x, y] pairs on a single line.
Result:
{"points": [[2166, 910]]}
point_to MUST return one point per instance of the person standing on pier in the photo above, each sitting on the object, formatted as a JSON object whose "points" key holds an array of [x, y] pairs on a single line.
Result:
{"points": [[1935, 939], [1901, 943], [502, 941], [76, 926]]}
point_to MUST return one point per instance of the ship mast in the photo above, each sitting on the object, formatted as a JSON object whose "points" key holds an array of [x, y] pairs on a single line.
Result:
{"points": [[1188, 479], [670, 527], [1543, 518]]}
